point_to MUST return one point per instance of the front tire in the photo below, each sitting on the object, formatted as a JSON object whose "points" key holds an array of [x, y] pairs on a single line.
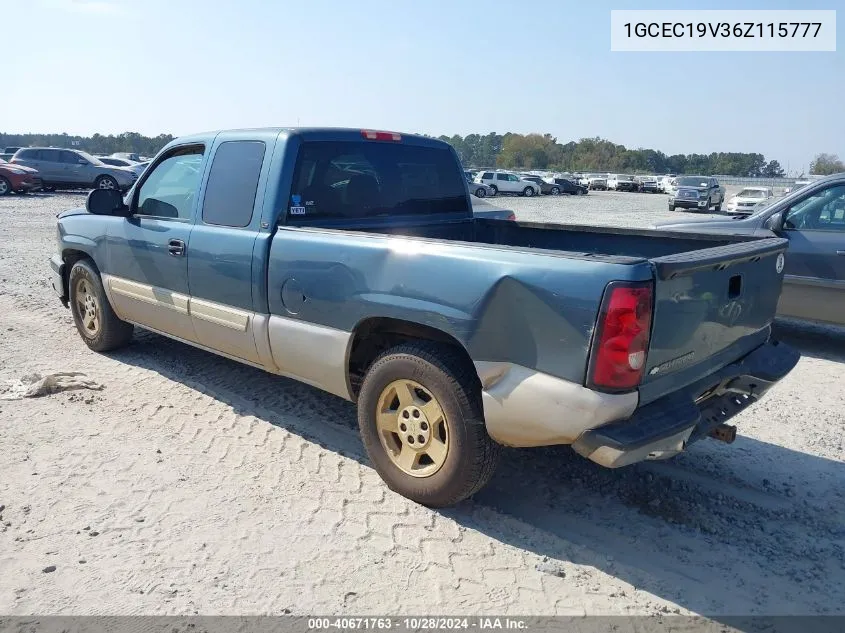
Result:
{"points": [[480, 192], [422, 424], [671, 207], [718, 207], [528, 192], [96, 322], [105, 182]]}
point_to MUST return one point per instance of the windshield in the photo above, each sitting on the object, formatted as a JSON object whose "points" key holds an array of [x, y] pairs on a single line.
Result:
{"points": [[91, 159], [752, 193], [692, 181]]}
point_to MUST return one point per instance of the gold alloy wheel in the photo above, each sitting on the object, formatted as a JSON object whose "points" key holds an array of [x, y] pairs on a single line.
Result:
{"points": [[89, 308], [412, 428]]}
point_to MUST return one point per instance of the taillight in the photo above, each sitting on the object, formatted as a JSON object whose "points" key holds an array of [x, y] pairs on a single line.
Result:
{"points": [[620, 344], [373, 135]]}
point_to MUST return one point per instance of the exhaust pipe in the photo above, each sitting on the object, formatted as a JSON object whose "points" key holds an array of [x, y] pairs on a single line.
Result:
{"points": [[724, 433]]}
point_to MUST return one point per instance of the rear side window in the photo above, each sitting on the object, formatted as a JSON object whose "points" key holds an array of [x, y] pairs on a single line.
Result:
{"points": [[488, 175], [355, 179], [232, 183], [27, 154], [50, 155]]}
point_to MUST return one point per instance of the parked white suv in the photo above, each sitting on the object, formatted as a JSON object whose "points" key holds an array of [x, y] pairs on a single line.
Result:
{"points": [[506, 182]]}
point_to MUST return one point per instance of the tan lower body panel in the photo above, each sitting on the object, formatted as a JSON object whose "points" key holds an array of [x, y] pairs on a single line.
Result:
{"points": [[225, 328], [158, 308], [523, 407], [314, 354], [311, 353], [813, 299]]}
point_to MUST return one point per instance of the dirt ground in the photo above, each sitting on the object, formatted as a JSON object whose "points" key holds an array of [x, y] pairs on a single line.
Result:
{"points": [[193, 484]]}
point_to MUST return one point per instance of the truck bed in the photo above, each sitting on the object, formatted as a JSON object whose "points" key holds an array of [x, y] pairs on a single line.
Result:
{"points": [[714, 295], [618, 244]]}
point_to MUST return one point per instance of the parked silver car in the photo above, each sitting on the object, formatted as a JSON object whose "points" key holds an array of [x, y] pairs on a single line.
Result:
{"points": [[138, 168], [73, 169]]}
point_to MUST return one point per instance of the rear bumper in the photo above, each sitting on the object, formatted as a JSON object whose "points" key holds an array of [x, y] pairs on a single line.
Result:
{"points": [[57, 278], [665, 427]]}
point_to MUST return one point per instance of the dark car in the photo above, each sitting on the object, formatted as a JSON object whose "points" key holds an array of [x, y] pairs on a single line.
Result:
{"points": [[697, 192], [548, 188], [813, 220], [573, 188]]}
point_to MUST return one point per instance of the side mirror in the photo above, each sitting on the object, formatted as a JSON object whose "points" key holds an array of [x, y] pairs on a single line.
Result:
{"points": [[106, 202], [774, 222]]}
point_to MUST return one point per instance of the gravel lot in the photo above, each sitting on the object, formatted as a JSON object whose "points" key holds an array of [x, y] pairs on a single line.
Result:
{"points": [[193, 484]]}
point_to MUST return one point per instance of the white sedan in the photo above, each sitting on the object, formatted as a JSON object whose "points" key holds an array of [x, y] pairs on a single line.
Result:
{"points": [[748, 198]]}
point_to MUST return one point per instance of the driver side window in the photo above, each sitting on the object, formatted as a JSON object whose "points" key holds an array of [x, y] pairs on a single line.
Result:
{"points": [[171, 187], [823, 211]]}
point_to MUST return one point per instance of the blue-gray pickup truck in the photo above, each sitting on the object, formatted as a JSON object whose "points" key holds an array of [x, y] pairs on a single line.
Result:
{"points": [[351, 260]]}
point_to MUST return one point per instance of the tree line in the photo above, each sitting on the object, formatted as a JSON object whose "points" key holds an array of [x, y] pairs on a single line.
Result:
{"points": [[543, 151], [510, 151], [97, 144]]}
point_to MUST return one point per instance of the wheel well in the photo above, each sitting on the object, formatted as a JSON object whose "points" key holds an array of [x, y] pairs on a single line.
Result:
{"points": [[70, 257], [373, 336]]}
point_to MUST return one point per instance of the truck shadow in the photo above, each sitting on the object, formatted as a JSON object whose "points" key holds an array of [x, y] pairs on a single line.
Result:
{"points": [[703, 531]]}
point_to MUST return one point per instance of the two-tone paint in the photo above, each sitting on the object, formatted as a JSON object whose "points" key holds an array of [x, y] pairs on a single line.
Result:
{"points": [[521, 300]]}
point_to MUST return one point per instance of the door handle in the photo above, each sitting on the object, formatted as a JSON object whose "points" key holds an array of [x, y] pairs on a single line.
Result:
{"points": [[176, 248]]}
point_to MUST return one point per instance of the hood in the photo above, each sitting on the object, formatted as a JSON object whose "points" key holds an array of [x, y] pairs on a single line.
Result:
{"points": [[28, 170], [747, 199], [70, 212], [120, 172], [689, 187]]}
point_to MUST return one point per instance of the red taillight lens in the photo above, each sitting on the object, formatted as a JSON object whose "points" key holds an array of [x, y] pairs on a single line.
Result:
{"points": [[373, 135], [621, 342]]}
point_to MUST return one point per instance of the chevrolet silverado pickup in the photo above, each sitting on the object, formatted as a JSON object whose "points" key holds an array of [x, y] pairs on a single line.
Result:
{"points": [[351, 260]]}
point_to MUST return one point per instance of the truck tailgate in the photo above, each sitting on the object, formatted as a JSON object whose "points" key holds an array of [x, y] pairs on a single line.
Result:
{"points": [[706, 302]]}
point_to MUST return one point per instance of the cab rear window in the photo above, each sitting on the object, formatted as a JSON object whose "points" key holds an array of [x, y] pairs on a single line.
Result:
{"points": [[351, 179]]}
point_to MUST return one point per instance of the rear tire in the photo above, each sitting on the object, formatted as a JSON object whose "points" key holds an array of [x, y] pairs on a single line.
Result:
{"points": [[555, 191], [5, 187], [495, 190], [435, 454], [671, 207], [96, 322]]}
